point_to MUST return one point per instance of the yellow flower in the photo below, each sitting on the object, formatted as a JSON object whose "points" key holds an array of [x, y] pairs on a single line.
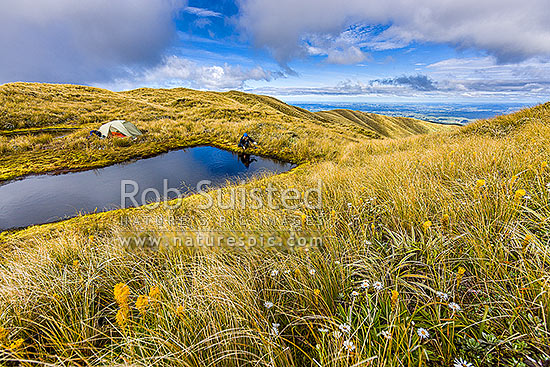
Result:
{"points": [[445, 220], [519, 194], [121, 292], [427, 224], [154, 292], [16, 344], [544, 165], [179, 311], [480, 183], [394, 296], [122, 316], [141, 304], [75, 263], [3, 333], [304, 217], [513, 179], [459, 275]]}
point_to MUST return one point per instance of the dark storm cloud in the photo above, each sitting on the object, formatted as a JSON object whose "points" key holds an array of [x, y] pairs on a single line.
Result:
{"points": [[82, 41]]}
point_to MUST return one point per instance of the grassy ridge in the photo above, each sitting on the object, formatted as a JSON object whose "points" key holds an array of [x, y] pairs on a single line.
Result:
{"points": [[464, 213]]}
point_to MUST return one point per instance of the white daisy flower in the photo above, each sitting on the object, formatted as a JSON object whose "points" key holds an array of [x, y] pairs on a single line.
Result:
{"points": [[345, 328], [354, 294], [459, 362], [322, 330], [365, 284], [527, 197], [348, 345], [337, 262], [275, 329], [377, 285], [442, 296], [286, 271], [386, 334], [268, 304], [274, 272], [337, 334], [312, 271], [423, 333], [368, 243], [454, 306]]}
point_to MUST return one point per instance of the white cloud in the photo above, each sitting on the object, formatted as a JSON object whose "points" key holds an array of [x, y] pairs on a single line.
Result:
{"points": [[201, 12], [181, 72], [509, 30], [82, 41]]}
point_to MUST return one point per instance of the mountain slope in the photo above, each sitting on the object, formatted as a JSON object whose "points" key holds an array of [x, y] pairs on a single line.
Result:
{"points": [[384, 126]]}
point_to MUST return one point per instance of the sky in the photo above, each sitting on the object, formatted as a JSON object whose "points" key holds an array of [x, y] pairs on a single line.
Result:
{"points": [[297, 50]]}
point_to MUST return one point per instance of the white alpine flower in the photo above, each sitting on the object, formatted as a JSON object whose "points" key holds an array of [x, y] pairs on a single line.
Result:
{"points": [[442, 296], [386, 334], [274, 272], [312, 271], [377, 285], [365, 284], [354, 294], [423, 333], [349, 346], [454, 306], [459, 362], [268, 304], [345, 328]]}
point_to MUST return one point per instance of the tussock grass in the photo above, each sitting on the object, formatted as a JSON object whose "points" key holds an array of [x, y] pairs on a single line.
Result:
{"points": [[465, 213]]}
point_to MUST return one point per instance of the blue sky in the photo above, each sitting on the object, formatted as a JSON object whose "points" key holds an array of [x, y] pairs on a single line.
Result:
{"points": [[309, 50]]}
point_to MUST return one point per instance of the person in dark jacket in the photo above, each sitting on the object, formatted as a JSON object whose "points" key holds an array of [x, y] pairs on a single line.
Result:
{"points": [[246, 141]]}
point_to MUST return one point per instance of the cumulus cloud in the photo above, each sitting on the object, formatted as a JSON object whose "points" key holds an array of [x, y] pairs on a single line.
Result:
{"points": [[82, 41], [177, 72], [502, 28], [416, 82]]}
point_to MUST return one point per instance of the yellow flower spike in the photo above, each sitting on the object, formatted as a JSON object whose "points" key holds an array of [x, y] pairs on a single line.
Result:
{"points": [[304, 218], [459, 275], [519, 194], [141, 304], [427, 224], [154, 292], [394, 297], [16, 344], [3, 333], [121, 292], [445, 220], [297, 272], [317, 293], [179, 311], [75, 263], [122, 316], [480, 183], [528, 238]]}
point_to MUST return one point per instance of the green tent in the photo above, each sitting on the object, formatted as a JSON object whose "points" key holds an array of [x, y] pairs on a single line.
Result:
{"points": [[120, 126]]}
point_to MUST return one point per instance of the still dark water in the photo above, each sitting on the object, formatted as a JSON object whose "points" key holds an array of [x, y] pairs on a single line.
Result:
{"points": [[48, 198]]}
